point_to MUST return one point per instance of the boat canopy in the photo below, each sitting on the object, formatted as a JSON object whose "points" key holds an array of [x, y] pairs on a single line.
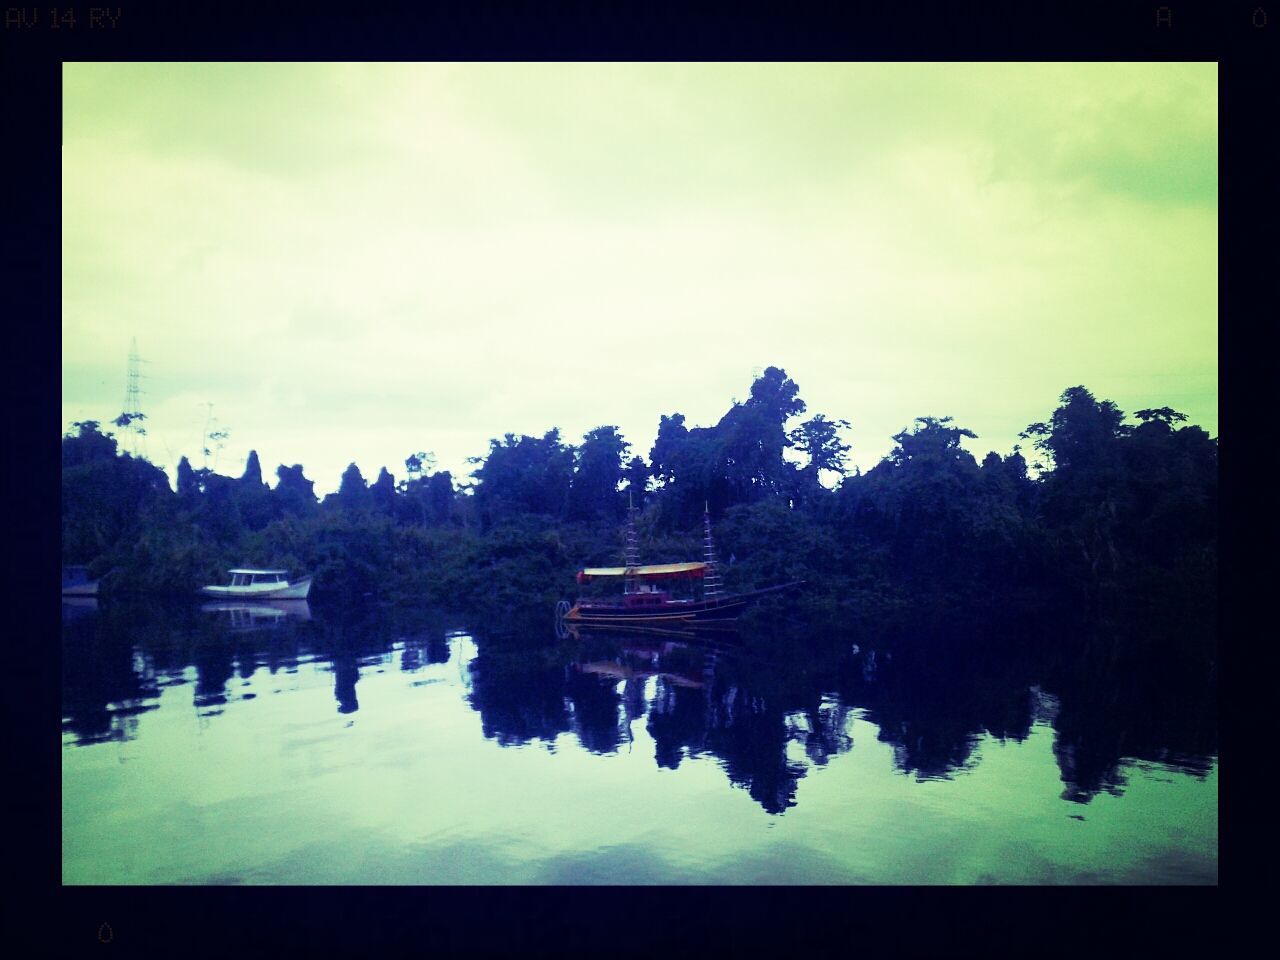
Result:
{"points": [[654, 571], [251, 571]]}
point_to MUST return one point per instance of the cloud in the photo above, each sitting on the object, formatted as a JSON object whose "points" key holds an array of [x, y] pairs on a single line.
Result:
{"points": [[361, 260]]}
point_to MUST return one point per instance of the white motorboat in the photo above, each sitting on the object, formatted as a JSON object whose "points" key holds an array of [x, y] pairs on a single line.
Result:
{"points": [[260, 585]]}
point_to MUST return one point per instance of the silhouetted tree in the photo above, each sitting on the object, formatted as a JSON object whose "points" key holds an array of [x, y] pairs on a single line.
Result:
{"points": [[87, 444], [294, 493], [593, 492], [382, 495], [252, 475], [819, 440], [524, 475], [103, 494], [253, 496], [439, 496], [637, 480], [188, 485], [353, 492]]}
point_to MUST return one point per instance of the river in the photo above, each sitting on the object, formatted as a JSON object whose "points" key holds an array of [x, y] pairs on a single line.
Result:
{"points": [[294, 744]]}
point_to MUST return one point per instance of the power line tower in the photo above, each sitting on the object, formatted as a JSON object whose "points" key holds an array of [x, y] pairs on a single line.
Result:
{"points": [[130, 421]]}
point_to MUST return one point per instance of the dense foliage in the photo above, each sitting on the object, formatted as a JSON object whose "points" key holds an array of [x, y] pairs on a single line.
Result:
{"points": [[1117, 511]]}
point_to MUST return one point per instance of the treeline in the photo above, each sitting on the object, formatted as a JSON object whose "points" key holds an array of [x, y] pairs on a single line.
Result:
{"points": [[1119, 511]]}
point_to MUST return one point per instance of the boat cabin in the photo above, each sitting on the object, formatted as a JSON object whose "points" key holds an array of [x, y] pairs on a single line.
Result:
{"points": [[646, 596], [75, 576], [644, 587], [246, 578]]}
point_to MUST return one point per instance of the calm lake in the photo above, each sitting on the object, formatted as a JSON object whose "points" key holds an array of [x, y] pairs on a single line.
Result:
{"points": [[296, 744]]}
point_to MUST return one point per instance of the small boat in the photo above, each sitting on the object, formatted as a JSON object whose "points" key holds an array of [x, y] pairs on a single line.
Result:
{"points": [[644, 600], [76, 582], [260, 585]]}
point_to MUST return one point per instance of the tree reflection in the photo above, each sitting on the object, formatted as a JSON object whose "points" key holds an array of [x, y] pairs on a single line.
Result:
{"points": [[750, 736], [519, 697], [103, 682], [766, 705], [826, 730], [677, 722], [213, 669], [598, 720], [934, 689], [1134, 695], [346, 671]]}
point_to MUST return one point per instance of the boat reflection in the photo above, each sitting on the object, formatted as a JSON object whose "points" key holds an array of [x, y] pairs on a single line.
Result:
{"points": [[259, 614], [684, 657], [76, 608]]}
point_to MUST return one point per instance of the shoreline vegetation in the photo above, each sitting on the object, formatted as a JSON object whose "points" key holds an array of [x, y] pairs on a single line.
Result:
{"points": [[1120, 519]]}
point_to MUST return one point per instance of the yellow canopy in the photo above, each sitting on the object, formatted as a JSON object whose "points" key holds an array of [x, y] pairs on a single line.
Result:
{"points": [[652, 570]]}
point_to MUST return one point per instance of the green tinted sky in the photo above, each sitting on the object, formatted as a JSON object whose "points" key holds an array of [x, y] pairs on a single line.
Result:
{"points": [[356, 261]]}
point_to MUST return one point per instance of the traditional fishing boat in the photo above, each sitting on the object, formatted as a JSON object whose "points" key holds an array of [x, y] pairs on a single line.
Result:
{"points": [[645, 594], [260, 585]]}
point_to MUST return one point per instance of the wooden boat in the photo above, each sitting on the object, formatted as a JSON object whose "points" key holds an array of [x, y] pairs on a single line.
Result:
{"points": [[644, 600], [76, 583], [254, 584]]}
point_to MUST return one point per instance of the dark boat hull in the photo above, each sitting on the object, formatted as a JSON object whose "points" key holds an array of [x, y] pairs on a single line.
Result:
{"points": [[702, 611]]}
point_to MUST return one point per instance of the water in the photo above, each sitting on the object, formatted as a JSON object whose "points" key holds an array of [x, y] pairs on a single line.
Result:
{"points": [[304, 746]]}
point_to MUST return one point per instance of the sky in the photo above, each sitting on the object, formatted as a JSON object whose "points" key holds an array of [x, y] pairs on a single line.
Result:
{"points": [[353, 262]]}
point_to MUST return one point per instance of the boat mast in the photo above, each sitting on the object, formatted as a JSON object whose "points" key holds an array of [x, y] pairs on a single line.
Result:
{"points": [[711, 587], [631, 553]]}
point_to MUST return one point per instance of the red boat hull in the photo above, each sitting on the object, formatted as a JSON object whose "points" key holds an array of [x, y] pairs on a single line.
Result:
{"points": [[673, 611]]}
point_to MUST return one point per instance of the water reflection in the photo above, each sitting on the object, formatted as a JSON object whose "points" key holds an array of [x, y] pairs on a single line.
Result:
{"points": [[345, 674], [258, 614], [104, 685], [520, 696], [767, 707]]}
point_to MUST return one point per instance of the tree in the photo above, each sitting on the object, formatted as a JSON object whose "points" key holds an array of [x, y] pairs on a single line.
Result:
{"points": [[382, 495], [218, 511], [439, 496], [524, 475], [819, 440], [1081, 432], [598, 471], [690, 464], [665, 452], [1165, 415], [105, 495], [637, 479], [253, 496], [188, 485], [921, 505], [353, 492], [126, 420], [776, 393], [739, 460], [86, 444], [932, 441], [252, 476], [1084, 496], [418, 463], [294, 493]]}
